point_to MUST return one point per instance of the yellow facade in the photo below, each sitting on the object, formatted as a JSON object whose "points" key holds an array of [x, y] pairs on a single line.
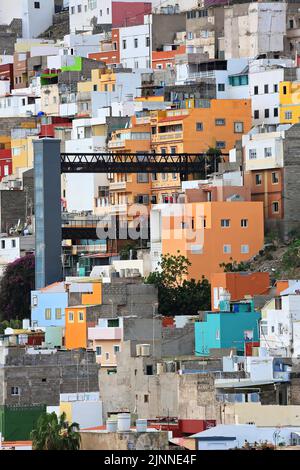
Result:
{"points": [[22, 153], [100, 81], [289, 96], [5, 143]]}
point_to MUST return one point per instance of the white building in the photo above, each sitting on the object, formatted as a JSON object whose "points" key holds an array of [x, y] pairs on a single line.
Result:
{"points": [[280, 326], [36, 16], [136, 45], [12, 248], [263, 150], [83, 13], [226, 436], [19, 105], [265, 76], [254, 28]]}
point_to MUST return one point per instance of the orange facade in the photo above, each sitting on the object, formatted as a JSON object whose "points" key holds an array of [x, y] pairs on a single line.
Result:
{"points": [[214, 233], [239, 285], [76, 335], [110, 53], [267, 186], [163, 60]]}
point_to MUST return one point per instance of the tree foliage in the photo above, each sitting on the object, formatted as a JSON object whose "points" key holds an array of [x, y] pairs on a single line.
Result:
{"points": [[53, 433], [15, 287], [176, 294], [234, 266]]}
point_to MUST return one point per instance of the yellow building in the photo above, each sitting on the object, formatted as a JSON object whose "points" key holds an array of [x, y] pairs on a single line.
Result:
{"points": [[100, 81], [289, 96], [22, 152]]}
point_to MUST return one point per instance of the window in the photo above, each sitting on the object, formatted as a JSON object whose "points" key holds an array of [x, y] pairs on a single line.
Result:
{"points": [[107, 356], [280, 328], [115, 323], [47, 313], [256, 90], [266, 88], [264, 327], [3, 244], [275, 178], [268, 152], [258, 179], [226, 249], [15, 391], [146, 398], [291, 23], [267, 113], [100, 12], [116, 349], [37, 5], [199, 126], [136, 43], [275, 88], [238, 127], [71, 317], [98, 351], [256, 114], [225, 223], [220, 144], [284, 90], [288, 115], [197, 249], [173, 150], [34, 301], [58, 313], [95, 87], [147, 41], [220, 122], [218, 334], [149, 370], [79, 8], [124, 44], [80, 317], [244, 249], [275, 207], [221, 86], [275, 112], [252, 154], [273, 329]]}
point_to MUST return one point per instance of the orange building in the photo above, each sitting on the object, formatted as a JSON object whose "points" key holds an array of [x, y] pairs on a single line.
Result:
{"points": [[109, 50], [267, 187], [209, 233], [162, 60], [201, 125], [80, 317], [239, 285]]}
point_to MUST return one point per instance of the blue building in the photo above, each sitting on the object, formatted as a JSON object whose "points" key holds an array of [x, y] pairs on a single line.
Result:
{"points": [[236, 324], [48, 305]]}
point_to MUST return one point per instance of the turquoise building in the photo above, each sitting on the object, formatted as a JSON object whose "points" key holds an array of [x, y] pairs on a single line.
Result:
{"points": [[236, 324]]}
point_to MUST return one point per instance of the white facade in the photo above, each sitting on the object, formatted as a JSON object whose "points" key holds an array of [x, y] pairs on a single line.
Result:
{"points": [[280, 327], [263, 150], [81, 45], [15, 105], [254, 28], [36, 16], [264, 93], [224, 436], [135, 45], [9, 252], [84, 12]]}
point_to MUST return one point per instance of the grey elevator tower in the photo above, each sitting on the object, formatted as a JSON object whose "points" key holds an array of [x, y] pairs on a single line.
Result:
{"points": [[47, 168]]}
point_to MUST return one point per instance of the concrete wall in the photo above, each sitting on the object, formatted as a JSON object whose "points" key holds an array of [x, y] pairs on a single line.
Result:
{"points": [[291, 194], [124, 441]]}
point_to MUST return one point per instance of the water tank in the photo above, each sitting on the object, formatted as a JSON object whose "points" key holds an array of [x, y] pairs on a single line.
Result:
{"points": [[138, 350], [26, 324], [124, 421], [112, 424], [145, 350], [141, 425]]}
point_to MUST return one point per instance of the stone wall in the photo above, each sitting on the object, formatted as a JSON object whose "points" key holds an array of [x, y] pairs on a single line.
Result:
{"points": [[124, 441]]}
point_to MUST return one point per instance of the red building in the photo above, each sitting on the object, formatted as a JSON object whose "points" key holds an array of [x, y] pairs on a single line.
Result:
{"points": [[5, 163], [7, 73], [129, 13]]}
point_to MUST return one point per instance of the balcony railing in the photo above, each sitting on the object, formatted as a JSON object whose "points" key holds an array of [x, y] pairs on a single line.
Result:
{"points": [[121, 185], [116, 144], [168, 136]]}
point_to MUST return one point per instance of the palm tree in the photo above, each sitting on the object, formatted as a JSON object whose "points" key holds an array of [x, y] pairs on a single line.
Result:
{"points": [[53, 433]]}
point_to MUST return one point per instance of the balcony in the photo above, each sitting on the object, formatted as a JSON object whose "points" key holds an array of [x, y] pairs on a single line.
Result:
{"points": [[168, 136], [143, 120], [118, 186], [114, 144], [84, 249], [98, 333]]}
